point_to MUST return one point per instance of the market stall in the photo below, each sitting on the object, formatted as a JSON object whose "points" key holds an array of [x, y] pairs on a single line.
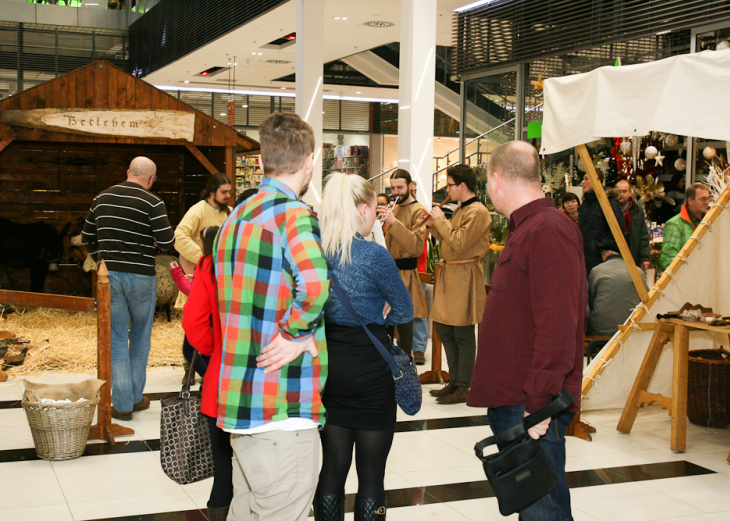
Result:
{"points": [[66, 140], [622, 101]]}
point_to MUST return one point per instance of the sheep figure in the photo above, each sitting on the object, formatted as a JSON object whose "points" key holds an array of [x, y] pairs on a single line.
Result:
{"points": [[166, 289]]}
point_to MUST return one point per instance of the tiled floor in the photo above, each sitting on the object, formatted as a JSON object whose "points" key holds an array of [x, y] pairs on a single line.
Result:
{"points": [[432, 472]]}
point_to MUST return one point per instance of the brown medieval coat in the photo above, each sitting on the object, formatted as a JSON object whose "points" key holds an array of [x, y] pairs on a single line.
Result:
{"points": [[405, 239], [459, 296]]}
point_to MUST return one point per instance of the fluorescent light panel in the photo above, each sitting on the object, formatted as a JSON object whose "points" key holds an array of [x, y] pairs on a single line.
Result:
{"points": [[472, 5], [285, 94]]}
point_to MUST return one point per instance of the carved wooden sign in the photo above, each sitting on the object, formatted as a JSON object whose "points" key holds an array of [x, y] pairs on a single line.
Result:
{"points": [[149, 124]]}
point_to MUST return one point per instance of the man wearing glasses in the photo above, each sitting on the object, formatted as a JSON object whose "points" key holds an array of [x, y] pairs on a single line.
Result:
{"points": [[124, 225], [680, 228]]}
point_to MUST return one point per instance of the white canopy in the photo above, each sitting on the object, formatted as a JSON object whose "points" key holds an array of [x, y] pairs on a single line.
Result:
{"points": [[687, 95]]}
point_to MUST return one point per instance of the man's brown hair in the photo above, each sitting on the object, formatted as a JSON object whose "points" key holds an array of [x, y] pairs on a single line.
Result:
{"points": [[402, 174], [691, 192], [516, 162], [463, 174], [286, 141]]}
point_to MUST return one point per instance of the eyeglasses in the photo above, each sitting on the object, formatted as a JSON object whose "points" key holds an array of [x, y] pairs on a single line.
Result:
{"points": [[154, 178], [449, 185], [704, 199]]}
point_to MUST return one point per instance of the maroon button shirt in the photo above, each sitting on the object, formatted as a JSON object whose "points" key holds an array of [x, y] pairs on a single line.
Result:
{"points": [[531, 336]]}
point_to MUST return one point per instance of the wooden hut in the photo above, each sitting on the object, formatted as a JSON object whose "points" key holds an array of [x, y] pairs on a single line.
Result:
{"points": [[66, 140]]}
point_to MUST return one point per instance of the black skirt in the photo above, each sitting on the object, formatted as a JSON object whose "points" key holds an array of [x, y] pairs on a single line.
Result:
{"points": [[359, 392]]}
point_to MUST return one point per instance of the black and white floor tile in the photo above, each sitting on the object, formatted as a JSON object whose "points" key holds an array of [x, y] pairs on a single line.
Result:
{"points": [[432, 472]]}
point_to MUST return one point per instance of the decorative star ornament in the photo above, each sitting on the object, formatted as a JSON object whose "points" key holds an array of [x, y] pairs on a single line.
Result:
{"points": [[659, 159]]}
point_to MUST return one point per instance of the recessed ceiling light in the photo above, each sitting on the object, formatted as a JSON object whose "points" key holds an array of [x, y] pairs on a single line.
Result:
{"points": [[259, 53], [282, 88], [187, 81], [344, 18], [245, 106], [223, 114], [358, 92], [337, 17], [254, 53]]}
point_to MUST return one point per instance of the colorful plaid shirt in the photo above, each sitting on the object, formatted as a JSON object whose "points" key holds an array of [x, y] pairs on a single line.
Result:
{"points": [[272, 279]]}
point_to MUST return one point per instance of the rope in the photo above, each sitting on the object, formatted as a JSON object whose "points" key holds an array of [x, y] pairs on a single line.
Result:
{"points": [[684, 259], [699, 244], [709, 225], [668, 272], [642, 306], [605, 362]]}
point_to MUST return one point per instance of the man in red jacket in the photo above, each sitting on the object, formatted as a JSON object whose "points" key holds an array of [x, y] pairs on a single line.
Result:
{"points": [[531, 339]]}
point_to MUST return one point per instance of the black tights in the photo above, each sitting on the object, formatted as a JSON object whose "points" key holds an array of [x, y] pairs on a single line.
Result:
{"points": [[371, 453]]}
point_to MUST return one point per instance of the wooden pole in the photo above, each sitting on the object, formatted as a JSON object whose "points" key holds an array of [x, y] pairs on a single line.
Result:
{"points": [[105, 429], [212, 170], [616, 230], [435, 375], [636, 317], [4, 144]]}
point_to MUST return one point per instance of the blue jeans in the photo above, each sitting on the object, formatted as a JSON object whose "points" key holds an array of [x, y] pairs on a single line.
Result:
{"points": [[420, 331], [133, 300], [556, 505]]}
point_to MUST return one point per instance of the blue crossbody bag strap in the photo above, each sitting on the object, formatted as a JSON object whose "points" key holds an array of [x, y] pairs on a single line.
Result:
{"points": [[378, 344]]}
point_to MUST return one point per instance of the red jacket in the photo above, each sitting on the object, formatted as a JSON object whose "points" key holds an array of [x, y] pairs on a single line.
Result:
{"points": [[201, 307]]}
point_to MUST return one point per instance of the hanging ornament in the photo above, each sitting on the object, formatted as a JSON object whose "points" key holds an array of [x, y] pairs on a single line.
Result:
{"points": [[659, 159], [670, 140], [580, 165], [709, 153], [723, 45], [625, 147], [603, 165], [680, 164], [650, 152]]}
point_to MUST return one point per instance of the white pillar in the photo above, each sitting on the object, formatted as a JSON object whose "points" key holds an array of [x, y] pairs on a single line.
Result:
{"points": [[309, 78], [417, 85]]}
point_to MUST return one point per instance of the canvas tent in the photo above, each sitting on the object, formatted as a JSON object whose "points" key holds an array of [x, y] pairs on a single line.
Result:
{"points": [[683, 95]]}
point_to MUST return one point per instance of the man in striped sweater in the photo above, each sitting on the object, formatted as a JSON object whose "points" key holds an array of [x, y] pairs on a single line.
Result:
{"points": [[123, 228]]}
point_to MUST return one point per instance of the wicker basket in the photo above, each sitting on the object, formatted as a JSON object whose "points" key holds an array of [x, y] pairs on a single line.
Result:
{"points": [[60, 431], [708, 391]]}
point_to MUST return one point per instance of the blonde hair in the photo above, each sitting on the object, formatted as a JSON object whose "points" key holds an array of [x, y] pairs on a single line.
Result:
{"points": [[339, 216]]}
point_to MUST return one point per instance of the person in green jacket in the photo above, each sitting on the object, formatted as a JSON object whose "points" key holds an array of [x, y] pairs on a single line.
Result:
{"points": [[680, 228]]}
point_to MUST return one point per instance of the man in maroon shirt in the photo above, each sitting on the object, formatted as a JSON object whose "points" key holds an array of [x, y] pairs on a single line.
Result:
{"points": [[531, 336]]}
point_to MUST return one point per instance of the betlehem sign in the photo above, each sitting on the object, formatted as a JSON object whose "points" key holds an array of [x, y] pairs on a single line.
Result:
{"points": [[149, 124]]}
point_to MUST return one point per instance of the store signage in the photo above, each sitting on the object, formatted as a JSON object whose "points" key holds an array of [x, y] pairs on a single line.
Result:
{"points": [[150, 124]]}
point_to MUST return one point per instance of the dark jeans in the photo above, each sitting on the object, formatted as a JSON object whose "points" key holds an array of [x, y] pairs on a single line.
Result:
{"points": [[461, 350], [556, 505]]}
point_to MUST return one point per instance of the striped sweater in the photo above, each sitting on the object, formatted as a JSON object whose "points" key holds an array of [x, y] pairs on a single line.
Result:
{"points": [[123, 226], [272, 280]]}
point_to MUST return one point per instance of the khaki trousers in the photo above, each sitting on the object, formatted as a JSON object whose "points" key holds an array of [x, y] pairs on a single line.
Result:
{"points": [[274, 475]]}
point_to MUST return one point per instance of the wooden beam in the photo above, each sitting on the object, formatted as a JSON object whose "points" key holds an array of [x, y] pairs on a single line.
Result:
{"points": [[45, 300], [231, 173], [614, 347], [616, 230], [203, 160], [4, 144]]}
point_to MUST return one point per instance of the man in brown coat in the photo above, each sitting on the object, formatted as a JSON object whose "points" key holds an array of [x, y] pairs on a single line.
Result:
{"points": [[405, 235], [459, 295]]}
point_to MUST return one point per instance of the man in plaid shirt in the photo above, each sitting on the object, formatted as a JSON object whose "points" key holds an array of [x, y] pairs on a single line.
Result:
{"points": [[272, 287], [680, 228]]}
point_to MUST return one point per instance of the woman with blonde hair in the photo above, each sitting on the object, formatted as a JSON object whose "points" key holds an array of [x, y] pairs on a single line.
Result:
{"points": [[359, 394]]}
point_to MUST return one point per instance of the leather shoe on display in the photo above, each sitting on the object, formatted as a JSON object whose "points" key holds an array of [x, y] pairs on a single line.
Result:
{"points": [[458, 396], [444, 391], [124, 416], [419, 358], [143, 404]]}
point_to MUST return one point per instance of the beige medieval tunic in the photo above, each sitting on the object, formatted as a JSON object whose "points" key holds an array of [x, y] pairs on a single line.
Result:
{"points": [[187, 237], [459, 296], [405, 239]]}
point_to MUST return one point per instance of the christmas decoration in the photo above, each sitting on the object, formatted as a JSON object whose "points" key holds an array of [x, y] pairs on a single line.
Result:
{"points": [[680, 164], [625, 147], [659, 159], [650, 152], [723, 45], [670, 140], [709, 153]]}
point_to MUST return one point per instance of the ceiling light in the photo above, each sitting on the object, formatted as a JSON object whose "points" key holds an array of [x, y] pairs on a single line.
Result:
{"points": [[344, 18], [259, 53], [358, 92], [245, 106], [472, 5], [254, 53], [282, 88], [234, 63], [223, 113], [337, 17], [187, 81]]}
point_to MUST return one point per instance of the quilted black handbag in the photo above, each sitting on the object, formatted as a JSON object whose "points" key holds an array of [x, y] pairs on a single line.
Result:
{"points": [[186, 453], [408, 393], [519, 473]]}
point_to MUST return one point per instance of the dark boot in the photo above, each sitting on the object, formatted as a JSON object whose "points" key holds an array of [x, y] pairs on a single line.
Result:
{"points": [[446, 390], [369, 509], [218, 514], [329, 507]]}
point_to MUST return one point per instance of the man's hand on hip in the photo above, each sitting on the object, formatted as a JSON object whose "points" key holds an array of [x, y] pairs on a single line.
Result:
{"points": [[281, 351], [538, 430]]}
